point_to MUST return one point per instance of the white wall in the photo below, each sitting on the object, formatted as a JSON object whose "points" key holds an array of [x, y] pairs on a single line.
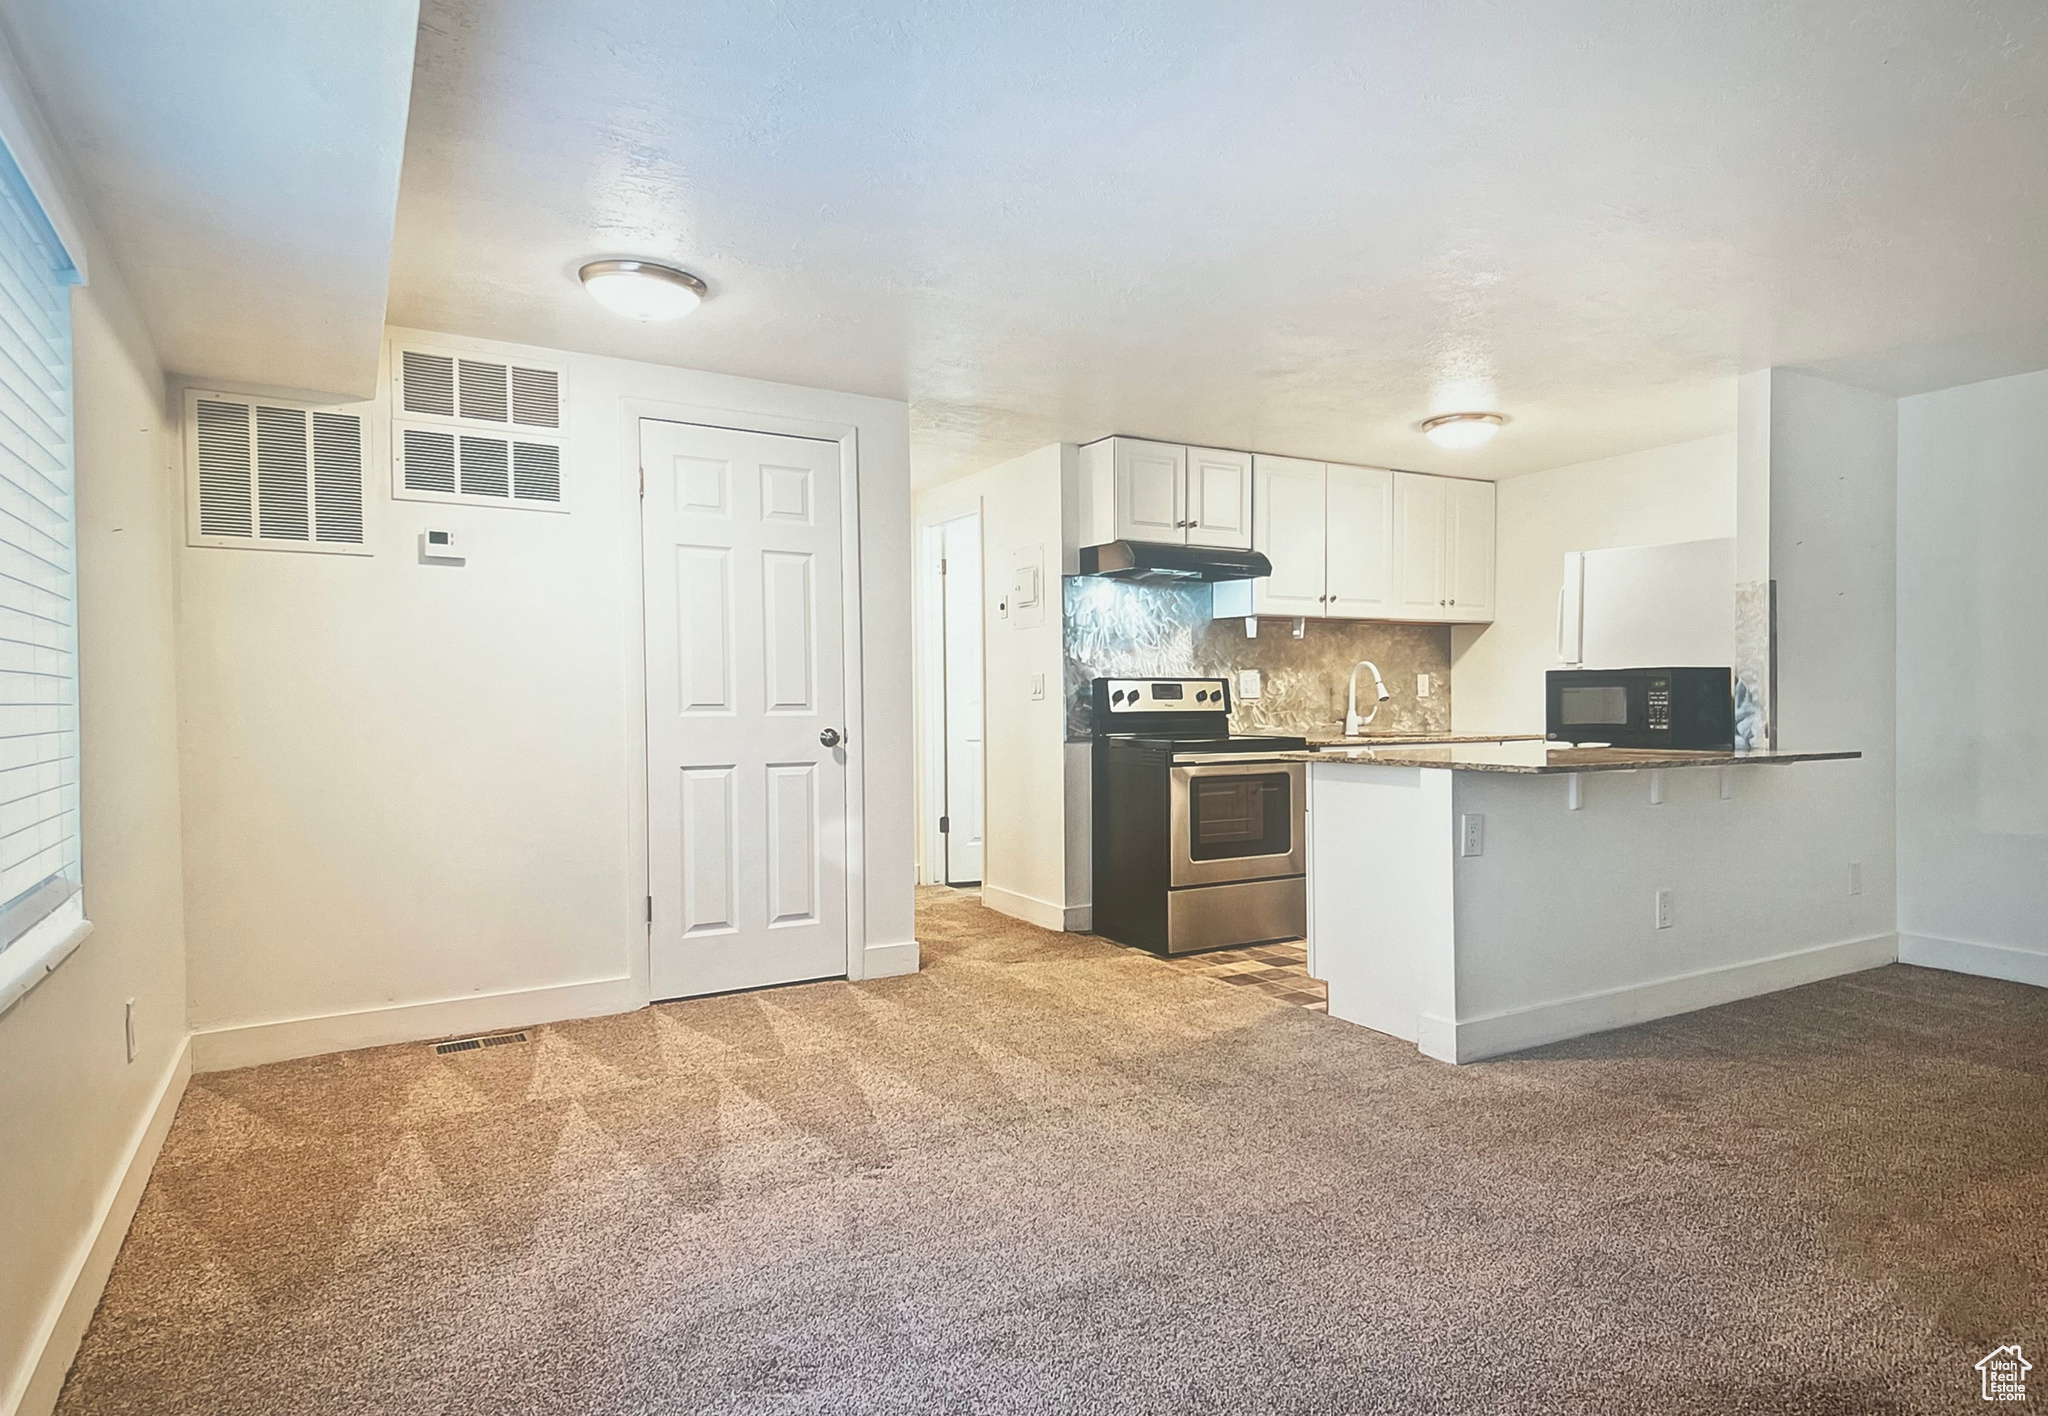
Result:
{"points": [[1973, 676], [79, 1122], [1025, 870], [1684, 492], [1832, 484], [414, 795]]}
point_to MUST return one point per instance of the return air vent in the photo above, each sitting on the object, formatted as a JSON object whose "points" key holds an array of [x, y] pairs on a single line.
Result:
{"points": [[272, 475], [477, 1044], [472, 429], [438, 464], [468, 389]]}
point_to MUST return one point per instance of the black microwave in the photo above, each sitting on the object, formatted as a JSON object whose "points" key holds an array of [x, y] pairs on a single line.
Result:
{"points": [[1688, 709]]}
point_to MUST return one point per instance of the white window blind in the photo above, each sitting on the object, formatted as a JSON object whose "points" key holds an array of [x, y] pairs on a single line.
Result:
{"points": [[39, 839]]}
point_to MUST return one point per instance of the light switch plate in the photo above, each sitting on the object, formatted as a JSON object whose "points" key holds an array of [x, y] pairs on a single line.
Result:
{"points": [[1422, 685], [1038, 688], [1250, 684]]}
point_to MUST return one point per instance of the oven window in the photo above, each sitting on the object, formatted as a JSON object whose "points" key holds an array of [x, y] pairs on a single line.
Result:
{"points": [[1237, 815], [1594, 707]]}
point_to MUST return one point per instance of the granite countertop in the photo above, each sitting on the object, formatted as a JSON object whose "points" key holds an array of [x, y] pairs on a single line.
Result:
{"points": [[1537, 757]]}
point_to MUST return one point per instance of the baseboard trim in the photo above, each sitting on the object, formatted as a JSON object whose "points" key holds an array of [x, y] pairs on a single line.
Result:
{"points": [[1495, 1034], [253, 1044], [1032, 910], [889, 960], [1931, 951], [64, 1325]]}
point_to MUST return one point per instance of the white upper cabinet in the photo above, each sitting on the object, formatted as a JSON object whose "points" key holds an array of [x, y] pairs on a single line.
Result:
{"points": [[1328, 530], [1420, 515], [1134, 490], [1443, 548], [1287, 524], [1468, 550], [1151, 491], [1219, 498], [1359, 550], [1358, 543]]}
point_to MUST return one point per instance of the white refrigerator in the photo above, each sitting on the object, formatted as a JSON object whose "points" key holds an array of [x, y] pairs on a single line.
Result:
{"points": [[1648, 606]]}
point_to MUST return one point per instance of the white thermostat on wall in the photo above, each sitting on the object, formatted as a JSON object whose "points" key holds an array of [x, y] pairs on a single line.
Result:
{"points": [[439, 548]]}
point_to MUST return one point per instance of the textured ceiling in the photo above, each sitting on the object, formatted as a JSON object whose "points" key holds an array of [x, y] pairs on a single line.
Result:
{"points": [[1298, 227], [242, 159]]}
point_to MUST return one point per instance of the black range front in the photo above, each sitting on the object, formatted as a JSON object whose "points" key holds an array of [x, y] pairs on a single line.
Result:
{"points": [[1198, 834]]}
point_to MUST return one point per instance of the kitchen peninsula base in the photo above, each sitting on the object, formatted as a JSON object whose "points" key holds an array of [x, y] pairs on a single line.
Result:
{"points": [[1490, 900]]}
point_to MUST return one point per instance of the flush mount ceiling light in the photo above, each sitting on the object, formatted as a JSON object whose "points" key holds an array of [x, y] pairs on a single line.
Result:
{"points": [[1462, 429], [642, 290]]}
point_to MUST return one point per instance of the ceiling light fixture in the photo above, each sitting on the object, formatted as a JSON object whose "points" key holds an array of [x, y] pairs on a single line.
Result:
{"points": [[1462, 429], [643, 290]]}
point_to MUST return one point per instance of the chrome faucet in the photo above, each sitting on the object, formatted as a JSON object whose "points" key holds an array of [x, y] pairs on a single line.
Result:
{"points": [[1352, 722]]}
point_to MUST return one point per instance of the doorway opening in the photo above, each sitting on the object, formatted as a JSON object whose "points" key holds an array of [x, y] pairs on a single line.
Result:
{"points": [[951, 575]]}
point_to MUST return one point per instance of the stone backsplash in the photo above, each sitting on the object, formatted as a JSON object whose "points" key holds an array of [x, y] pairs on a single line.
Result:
{"points": [[1141, 631]]}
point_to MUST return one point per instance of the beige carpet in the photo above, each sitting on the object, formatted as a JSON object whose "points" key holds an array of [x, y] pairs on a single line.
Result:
{"points": [[1051, 1175]]}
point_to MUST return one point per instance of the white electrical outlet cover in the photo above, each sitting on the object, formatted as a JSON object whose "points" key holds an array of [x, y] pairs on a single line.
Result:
{"points": [[1422, 685], [1250, 683]]}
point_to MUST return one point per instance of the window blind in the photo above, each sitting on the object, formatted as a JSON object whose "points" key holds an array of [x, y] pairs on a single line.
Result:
{"points": [[39, 837]]}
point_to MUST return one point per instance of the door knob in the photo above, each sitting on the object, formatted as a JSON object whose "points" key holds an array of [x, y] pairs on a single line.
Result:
{"points": [[830, 737]]}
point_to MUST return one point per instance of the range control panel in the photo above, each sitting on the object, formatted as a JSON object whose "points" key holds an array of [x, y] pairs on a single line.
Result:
{"points": [[1164, 695]]}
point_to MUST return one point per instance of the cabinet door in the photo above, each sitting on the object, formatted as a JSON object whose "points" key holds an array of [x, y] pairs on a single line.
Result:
{"points": [[1219, 498], [1420, 514], [1468, 550], [1150, 498], [1359, 569], [1287, 524]]}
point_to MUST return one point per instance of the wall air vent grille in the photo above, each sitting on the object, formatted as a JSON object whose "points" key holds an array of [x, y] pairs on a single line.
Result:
{"points": [[427, 460], [537, 472], [467, 389], [486, 467], [428, 384], [472, 429], [435, 465], [272, 475]]}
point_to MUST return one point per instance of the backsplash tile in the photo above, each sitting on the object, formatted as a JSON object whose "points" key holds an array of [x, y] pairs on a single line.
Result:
{"points": [[1143, 631]]}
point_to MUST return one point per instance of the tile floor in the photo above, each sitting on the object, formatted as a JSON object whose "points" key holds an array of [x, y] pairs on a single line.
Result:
{"points": [[1277, 970]]}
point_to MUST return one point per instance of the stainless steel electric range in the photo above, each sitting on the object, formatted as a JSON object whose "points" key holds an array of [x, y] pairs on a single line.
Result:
{"points": [[1198, 833]]}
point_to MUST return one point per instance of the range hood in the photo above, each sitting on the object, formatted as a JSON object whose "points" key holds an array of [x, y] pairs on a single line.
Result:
{"points": [[1148, 563]]}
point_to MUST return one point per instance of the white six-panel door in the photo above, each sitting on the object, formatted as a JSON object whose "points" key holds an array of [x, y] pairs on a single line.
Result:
{"points": [[746, 824]]}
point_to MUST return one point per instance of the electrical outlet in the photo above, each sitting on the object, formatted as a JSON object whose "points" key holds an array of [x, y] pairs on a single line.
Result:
{"points": [[1471, 835], [1422, 685], [128, 1026], [1250, 684], [1856, 877], [1663, 909]]}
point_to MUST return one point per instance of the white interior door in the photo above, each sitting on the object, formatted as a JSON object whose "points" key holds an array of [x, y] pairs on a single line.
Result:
{"points": [[961, 582], [746, 806]]}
